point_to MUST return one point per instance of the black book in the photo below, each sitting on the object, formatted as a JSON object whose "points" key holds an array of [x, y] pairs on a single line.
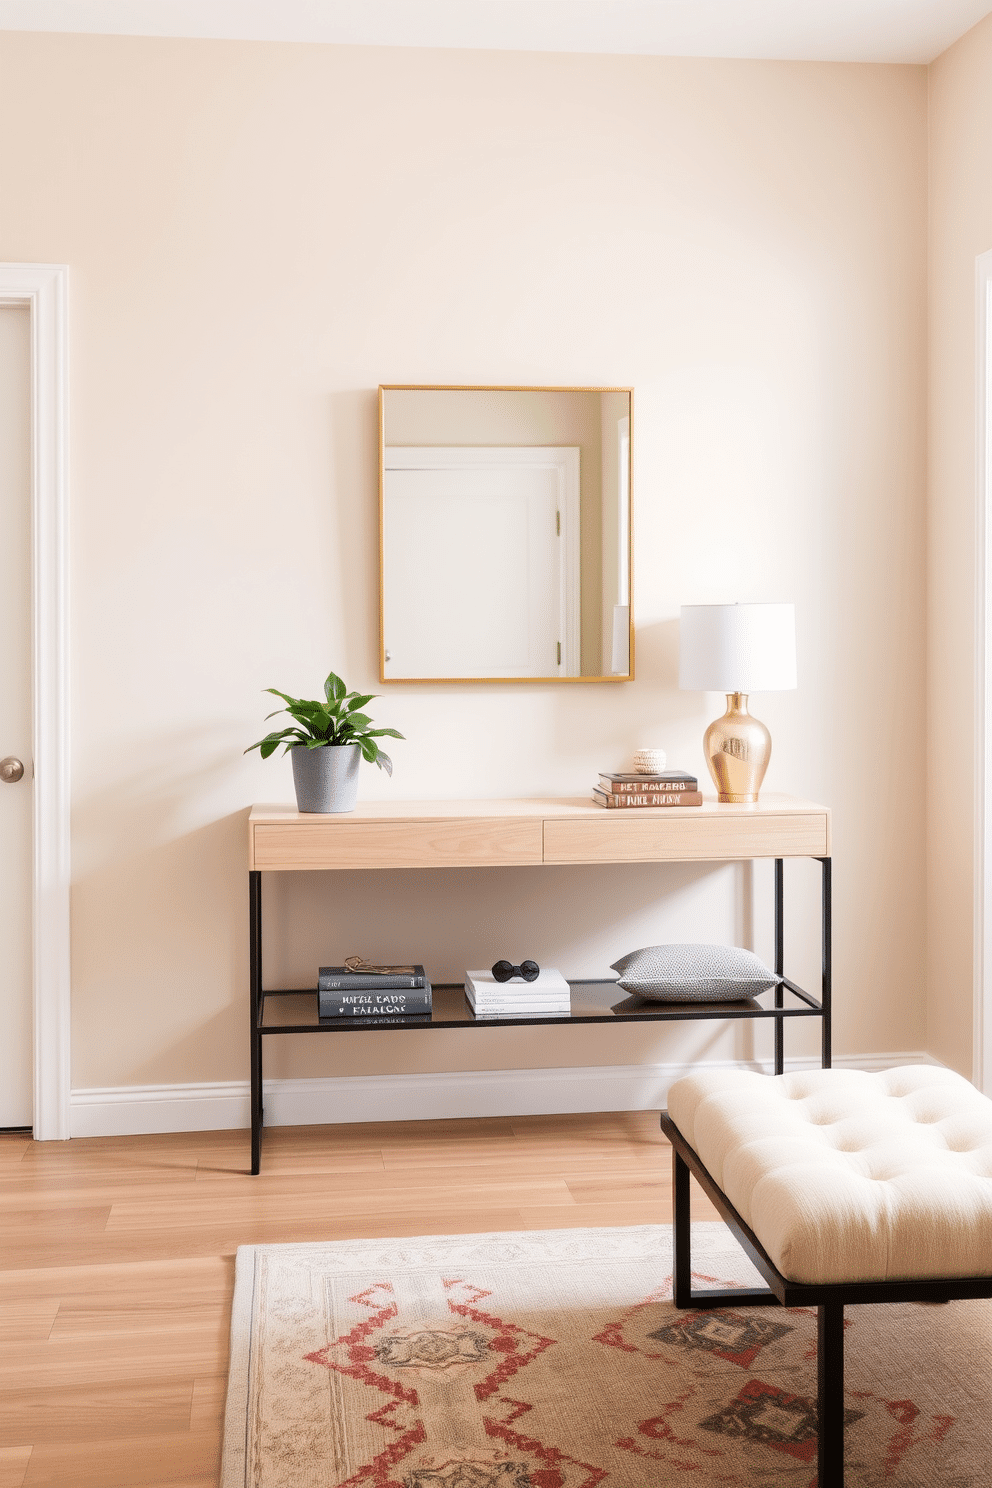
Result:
{"points": [[359, 1002], [415, 1020], [339, 978]]}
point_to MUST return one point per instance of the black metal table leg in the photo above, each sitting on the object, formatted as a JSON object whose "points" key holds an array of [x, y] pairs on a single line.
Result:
{"points": [[255, 975], [681, 1230], [826, 898], [830, 1395], [779, 962]]}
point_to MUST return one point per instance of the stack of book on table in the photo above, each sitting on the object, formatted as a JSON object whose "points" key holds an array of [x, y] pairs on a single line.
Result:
{"points": [[671, 788], [374, 993], [544, 997]]}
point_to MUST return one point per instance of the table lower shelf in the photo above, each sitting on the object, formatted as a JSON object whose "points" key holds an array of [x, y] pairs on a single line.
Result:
{"points": [[294, 1010]]}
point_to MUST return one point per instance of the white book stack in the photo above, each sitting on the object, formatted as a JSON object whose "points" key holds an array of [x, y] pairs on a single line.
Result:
{"points": [[544, 997]]}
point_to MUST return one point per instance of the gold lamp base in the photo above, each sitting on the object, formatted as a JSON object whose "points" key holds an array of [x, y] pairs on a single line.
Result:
{"points": [[737, 748]]}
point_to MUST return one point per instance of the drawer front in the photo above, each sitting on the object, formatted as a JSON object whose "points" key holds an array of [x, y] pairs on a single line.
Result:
{"points": [[413, 844], [684, 839]]}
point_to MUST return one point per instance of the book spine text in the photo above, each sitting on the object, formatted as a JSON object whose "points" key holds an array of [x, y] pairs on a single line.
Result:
{"points": [[653, 798], [364, 1005], [639, 787]]}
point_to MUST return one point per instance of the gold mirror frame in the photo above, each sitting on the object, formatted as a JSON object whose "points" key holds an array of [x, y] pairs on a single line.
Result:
{"points": [[384, 388]]}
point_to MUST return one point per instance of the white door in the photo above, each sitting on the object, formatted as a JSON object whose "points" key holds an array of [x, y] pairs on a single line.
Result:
{"points": [[15, 718], [475, 564]]}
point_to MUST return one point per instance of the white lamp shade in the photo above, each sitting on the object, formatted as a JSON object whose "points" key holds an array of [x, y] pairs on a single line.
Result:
{"points": [[737, 648]]}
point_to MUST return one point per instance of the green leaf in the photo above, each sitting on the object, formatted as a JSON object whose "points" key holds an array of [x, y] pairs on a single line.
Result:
{"points": [[272, 738], [358, 700], [313, 721], [358, 722], [267, 745], [369, 750], [384, 762], [334, 688], [284, 695], [378, 733]]}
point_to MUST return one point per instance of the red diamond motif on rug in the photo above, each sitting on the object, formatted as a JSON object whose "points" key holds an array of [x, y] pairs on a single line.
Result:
{"points": [[384, 1353]]}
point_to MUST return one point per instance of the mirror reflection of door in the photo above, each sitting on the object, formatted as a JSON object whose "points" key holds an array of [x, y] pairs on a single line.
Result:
{"points": [[481, 572], [475, 582]]}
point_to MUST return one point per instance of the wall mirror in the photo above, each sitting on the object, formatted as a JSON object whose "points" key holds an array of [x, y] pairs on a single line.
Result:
{"points": [[504, 534]]}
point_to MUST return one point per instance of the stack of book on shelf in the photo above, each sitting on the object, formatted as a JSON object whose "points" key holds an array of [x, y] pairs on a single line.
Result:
{"points": [[374, 993], [618, 791], [544, 997]]}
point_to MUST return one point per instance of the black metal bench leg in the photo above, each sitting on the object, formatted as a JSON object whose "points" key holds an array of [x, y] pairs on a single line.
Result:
{"points": [[682, 1291], [830, 1395]]}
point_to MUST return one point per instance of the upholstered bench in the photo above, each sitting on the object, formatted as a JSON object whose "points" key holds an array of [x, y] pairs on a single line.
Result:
{"points": [[842, 1187]]}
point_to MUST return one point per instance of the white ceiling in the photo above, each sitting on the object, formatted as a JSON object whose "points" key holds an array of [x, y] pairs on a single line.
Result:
{"points": [[820, 30]]}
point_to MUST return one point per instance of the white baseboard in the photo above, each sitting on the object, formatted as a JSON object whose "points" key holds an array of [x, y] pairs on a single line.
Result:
{"points": [[130, 1110]]}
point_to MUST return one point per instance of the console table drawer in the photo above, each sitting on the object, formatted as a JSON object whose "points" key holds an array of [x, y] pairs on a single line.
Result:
{"points": [[685, 837], [396, 844]]}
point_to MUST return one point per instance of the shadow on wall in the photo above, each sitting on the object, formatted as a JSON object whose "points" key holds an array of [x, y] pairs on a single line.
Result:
{"points": [[354, 457], [656, 658], [160, 921], [160, 962], [181, 776], [648, 712]]}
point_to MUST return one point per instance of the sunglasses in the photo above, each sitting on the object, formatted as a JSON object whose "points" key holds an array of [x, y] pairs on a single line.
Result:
{"points": [[504, 971]]}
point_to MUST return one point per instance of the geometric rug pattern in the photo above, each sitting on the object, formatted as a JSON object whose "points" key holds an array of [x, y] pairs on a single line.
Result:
{"points": [[556, 1359]]}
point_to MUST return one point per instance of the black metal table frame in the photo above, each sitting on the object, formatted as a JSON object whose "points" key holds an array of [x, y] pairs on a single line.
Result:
{"points": [[828, 1298], [653, 1012]]}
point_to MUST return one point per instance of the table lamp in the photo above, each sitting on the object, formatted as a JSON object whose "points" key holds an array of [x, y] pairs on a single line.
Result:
{"points": [[737, 649]]}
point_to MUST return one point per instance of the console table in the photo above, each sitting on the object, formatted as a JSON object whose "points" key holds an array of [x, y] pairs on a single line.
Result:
{"points": [[486, 834]]}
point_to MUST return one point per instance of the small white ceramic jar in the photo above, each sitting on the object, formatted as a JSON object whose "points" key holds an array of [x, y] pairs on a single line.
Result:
{"points": [[649, 761]]}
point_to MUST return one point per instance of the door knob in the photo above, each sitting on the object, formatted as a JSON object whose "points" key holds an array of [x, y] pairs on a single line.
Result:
{"points": [[11, 769]]}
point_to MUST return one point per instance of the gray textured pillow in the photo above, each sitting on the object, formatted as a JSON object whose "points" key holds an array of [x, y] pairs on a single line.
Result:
{"points": [[694, 973]]}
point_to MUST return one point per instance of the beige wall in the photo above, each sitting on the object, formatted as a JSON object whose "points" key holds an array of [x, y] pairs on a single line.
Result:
{"points": [[260, 234], [960, 229]]}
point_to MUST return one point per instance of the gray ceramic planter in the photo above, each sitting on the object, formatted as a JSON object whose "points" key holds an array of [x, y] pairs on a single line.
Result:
{"points": [[326, 779]]}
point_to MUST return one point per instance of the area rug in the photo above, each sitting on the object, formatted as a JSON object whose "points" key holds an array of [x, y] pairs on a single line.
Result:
{"points": [[556, 1359]]}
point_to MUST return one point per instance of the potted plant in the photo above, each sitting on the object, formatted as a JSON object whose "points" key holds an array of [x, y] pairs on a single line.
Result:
{"points": [[327, 743]]}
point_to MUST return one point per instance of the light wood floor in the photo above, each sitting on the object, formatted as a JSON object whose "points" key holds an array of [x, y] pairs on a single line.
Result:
{"points": [[117, 1260]]}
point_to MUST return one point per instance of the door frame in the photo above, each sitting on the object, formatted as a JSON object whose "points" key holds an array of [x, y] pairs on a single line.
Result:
{"points": [[43, 289], [982, 956]]}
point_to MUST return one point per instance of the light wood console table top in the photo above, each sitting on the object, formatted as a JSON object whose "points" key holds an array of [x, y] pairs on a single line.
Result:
{"points": [[542, 830]]}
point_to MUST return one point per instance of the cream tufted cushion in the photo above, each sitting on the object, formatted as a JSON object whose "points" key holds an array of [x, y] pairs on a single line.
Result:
{"points": [[848, 1176]]}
